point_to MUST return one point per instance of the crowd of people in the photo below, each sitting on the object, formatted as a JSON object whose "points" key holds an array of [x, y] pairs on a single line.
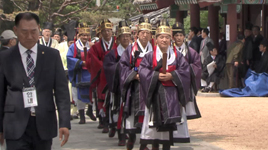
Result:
{"points": [[249, 51], [141, 79]]}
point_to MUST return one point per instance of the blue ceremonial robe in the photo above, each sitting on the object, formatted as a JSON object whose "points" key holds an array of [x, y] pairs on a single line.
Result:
{"points": [[78, 75]]}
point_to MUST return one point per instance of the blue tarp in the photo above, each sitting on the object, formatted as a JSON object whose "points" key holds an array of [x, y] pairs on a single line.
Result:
{"points": [[256, 86]]}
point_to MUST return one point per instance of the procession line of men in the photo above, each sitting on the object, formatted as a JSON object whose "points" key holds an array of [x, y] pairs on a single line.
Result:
{"points": [[145, 87], [126, 82]]}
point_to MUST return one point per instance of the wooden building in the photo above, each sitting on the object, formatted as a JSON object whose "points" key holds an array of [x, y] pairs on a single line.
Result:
{"points": [[236, 13]]}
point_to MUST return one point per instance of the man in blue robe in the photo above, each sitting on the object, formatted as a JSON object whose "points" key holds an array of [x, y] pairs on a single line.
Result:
{"points": [[78, 74]]}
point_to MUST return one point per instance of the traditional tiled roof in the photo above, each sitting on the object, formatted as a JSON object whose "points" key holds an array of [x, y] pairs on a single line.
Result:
{"points": [[154, 16], [142, 1], [182, 2]]}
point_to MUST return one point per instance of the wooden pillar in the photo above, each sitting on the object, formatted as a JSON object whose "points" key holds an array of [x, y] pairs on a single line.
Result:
{"points": [[195, 15], [232, 22], [213, 22], [179, 16], [245, 16]]}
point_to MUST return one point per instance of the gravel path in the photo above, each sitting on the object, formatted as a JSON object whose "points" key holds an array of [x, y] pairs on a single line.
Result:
{"points": [[232, 123]]}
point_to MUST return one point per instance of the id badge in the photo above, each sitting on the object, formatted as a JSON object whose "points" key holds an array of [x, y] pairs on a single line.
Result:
{"points": [[29, 97]]}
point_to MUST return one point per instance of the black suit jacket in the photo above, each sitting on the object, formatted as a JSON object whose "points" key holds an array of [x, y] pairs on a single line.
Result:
{"points": [[262, 66], [195, 44], [49, 76], [3, 48]]}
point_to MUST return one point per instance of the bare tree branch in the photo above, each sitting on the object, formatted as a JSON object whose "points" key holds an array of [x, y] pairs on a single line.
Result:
{"points": [[103, 4], [67, 3], [70, 13], [4, 18], [66, 20], [40, 5], [16, 5]]}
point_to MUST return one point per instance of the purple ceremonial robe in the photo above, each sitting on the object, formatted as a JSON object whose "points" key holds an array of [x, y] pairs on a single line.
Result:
{"points": [[164, 100], [194, 60], [130, 88], [111, 69]]}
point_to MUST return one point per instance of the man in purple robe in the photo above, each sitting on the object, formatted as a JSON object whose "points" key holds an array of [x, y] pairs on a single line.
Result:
{"points": [[193, 58], [111, 68], [134, 104], [165, 90]]}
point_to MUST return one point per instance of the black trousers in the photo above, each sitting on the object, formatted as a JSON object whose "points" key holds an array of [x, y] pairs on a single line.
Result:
{"points": [[30, 140]]}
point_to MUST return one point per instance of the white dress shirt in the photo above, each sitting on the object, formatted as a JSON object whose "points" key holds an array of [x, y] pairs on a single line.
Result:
{"points": [[24, 55]]}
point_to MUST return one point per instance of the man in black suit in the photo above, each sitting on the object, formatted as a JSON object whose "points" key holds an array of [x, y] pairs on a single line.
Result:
{"points": [[262, 65], [195, 44], [28, 66], [257, 39]]}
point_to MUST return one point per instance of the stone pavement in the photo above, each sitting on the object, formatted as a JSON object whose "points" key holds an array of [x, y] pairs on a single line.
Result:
{"points": [[88, 137]]}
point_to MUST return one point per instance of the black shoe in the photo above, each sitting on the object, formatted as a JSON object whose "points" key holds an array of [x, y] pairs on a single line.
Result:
{"points": [[112, 132], [75, 117], [130, 145], [122, 143], [100, 126], [90, 114], [105, 130], [82, 116], [206, 90]]}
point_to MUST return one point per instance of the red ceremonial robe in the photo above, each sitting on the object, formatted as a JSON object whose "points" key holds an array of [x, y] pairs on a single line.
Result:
{"points": [[94, 64]]}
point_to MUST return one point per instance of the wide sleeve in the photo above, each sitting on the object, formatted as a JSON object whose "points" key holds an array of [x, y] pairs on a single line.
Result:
{"points": [[111, 70], [127, 74], [181, 78], [148, 79], [62, 96], [195, 70], [94, 65], [73, 64]]}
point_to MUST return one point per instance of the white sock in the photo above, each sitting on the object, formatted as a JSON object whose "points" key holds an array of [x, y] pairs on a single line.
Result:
{"points": [[203, 83], [211, 84]]}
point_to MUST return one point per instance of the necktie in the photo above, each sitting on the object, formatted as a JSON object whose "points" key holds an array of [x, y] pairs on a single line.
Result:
{"points": [[30, 67]]}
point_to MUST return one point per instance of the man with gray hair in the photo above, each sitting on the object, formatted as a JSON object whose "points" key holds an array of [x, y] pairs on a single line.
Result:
{"points": [[8, 39], [46, 39]]}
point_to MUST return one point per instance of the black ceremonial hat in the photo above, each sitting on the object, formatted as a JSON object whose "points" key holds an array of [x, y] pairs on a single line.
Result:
{"points": [[71, 29], [178, 28], [58, 31], [48, 25]]}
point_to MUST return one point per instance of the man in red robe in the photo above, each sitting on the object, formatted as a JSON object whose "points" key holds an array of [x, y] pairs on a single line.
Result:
{"points": [[94, 64]]}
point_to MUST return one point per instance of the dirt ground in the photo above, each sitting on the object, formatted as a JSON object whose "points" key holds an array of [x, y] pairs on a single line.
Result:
{"points": [[232, 123]]}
